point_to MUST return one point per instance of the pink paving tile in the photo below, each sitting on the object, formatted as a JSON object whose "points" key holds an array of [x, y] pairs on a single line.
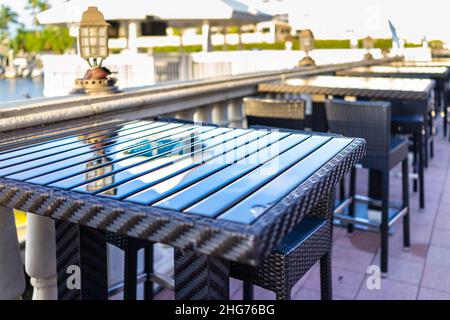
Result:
{"points": [[390, 290], [365, 241], [438, 256], [420, 238], [352, 259], [165, 294], [443, 218], [403, 270], [235, 286], [306, 294], [263, 294], [345, 283], [430, 294], [424, 219], [337, 233], [441, 238], [437, 278]]}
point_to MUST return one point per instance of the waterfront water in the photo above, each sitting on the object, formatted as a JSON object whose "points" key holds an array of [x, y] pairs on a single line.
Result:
{"points": [[19, 89]]}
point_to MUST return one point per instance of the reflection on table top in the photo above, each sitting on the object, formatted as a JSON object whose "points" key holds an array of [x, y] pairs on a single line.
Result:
{"points": [[358, 86]]}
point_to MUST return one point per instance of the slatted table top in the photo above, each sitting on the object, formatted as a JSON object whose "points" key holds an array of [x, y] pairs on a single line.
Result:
{"points": [[221, 191], [395, 88], [432, 72]]}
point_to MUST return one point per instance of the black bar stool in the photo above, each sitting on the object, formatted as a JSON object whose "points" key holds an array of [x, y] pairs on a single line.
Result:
{"points": [[371, 120]]}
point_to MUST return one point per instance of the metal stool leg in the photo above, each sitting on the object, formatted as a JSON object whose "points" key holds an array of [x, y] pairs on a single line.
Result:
{"points": [[247, 290], [130, 276], [420, 147], [405, 196], [148, 267], [351, 209], [384, 222], [326, 282], [415, 162]]}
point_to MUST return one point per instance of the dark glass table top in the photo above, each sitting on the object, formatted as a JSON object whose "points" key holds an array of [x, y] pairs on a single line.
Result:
{"points": [[220, 191], [231, 174], [354, 86]]}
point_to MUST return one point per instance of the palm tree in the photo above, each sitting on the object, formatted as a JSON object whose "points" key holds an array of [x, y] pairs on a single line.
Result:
{"points": [[36, 6], [7, 17]]}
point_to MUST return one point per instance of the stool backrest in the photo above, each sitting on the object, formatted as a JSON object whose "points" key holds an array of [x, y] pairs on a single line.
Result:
{"points": [[370, 120], [281, 113]]}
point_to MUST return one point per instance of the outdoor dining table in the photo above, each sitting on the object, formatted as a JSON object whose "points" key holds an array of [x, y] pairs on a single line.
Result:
{"points": [[440, 74], [408, 97], [215, 194]]}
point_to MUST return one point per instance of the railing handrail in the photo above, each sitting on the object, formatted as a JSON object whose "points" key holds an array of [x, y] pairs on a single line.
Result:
{"points": [[22, 114]]}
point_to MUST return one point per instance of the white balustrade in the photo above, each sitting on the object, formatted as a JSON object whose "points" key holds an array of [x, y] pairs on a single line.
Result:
{"points": [[40, 257], [12, 277], [220, 114], [203, 114], [237, 114], [187, 114]]}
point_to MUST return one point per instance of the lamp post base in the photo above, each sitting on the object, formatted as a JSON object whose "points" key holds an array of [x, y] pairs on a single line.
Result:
{"points": [[307, 62], [368, 56], [95, 86]]}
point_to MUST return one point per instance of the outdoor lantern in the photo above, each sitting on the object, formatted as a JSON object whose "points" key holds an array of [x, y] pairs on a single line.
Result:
{"points": [[93, 47], [368, 43], [307, 44]]}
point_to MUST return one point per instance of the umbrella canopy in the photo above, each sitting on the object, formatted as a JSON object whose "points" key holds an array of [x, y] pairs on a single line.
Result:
{"points": [[216, 12], [176, 12], [71, 11]]}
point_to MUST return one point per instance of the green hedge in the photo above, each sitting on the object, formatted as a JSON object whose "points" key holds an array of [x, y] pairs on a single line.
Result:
{"points": [[319, 44]]}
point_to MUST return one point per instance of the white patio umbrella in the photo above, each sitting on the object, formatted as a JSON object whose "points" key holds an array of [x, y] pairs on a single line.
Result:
{"points": [[206, 13], [193, 12], [71, 11], [180, 13]]}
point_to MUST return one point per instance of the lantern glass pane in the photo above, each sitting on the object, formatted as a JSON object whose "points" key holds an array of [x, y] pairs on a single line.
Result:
{"points": [[102, 31], [86, 52], [102, 52], [102, 42], [93, 31], [93, 41], [94, 51], [84, 42], [84, 31]]}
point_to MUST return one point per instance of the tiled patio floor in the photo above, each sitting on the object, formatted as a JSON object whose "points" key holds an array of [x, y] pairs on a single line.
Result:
{"points": [[421, 273]]}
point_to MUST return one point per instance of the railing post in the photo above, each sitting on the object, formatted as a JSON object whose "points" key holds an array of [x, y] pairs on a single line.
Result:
{"points": [[40, 257], [236, 112], [220, 114], [12, 277], [204, 114], [186, 114]]}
